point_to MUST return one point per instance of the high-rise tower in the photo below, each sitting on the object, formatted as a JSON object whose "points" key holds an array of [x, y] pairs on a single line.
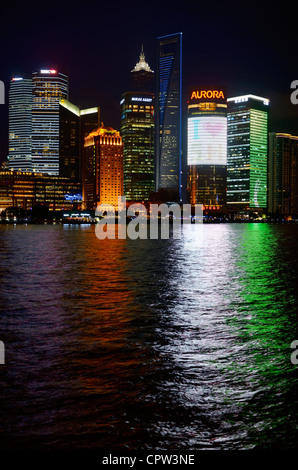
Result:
{"points": [[168, 115], [283, 174], [207, 147], [20, 124], [247, 151], [142, 77], [102, 169], [137, 131], [74, 125], [49, 87]]}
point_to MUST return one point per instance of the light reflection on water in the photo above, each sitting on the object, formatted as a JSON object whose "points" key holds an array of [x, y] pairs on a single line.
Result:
{"points": [[149, 344]]}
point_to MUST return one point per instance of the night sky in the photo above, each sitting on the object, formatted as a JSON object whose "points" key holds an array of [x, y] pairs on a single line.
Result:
{"points": [[246, 47]]}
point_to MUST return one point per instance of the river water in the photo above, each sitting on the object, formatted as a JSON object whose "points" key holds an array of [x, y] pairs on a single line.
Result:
{"points": [[149, 344]]}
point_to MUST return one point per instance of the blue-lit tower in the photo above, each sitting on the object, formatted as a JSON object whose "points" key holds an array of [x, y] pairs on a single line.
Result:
{"points": [[168, 116]]}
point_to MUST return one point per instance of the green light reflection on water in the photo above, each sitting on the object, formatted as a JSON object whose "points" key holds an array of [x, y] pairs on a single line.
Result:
{"points": [[264, 325]]}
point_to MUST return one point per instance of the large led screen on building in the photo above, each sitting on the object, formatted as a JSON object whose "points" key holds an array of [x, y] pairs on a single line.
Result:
{"points": [[207, 140]]}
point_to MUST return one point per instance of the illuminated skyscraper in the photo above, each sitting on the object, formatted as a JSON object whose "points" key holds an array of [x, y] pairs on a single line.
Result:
{"points": [[49, 87], [247, 151], [207, 147], [74, 125], [283, 174], [168, 115], [102, 168], [142, 77], [20, 124], [137, 131]]}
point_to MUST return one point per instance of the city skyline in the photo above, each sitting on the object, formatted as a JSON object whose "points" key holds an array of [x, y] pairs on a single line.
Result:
{"points": [[148, 316], [248, 52]]}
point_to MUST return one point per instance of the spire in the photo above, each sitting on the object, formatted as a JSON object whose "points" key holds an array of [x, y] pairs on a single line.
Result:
{"points": [[142, 64]]}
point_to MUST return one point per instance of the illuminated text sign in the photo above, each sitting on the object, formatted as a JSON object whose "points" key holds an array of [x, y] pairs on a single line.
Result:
{"points": [[48, 71], [141, 99], [211, 94]]}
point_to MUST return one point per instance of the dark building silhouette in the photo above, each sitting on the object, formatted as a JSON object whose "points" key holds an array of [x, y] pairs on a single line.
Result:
{"points": [[75, 125]]}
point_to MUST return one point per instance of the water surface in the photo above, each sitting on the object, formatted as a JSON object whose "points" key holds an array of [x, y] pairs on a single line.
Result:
{"points": [[149, 344]]}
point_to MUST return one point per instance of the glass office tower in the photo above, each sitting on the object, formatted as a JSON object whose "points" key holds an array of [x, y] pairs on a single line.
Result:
{"points": [[247, 151], [168, 115], [137, 131], [283, 174], [49, 87], [20, 124]]}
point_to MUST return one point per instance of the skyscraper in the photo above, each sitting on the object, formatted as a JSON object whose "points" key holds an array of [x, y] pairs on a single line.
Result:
{"points": [[168, 115], [137, 131], [74, 125], [207, 147], [102, 168], [283, 174], [49, 87], [247, 151], [142, 77], [20, 124]]}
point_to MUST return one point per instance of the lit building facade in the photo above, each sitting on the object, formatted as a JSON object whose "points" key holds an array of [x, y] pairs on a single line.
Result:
{"points": [[168, 115], [102, 169], [20, 124], [27, 189], [74, 125], [137, 131], [207, 147], [283, 174], [247, 152], [49, 87]]}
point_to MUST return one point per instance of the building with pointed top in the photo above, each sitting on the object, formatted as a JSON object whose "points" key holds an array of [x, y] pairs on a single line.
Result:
{"points": [[142, 77], [137, 131]]}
